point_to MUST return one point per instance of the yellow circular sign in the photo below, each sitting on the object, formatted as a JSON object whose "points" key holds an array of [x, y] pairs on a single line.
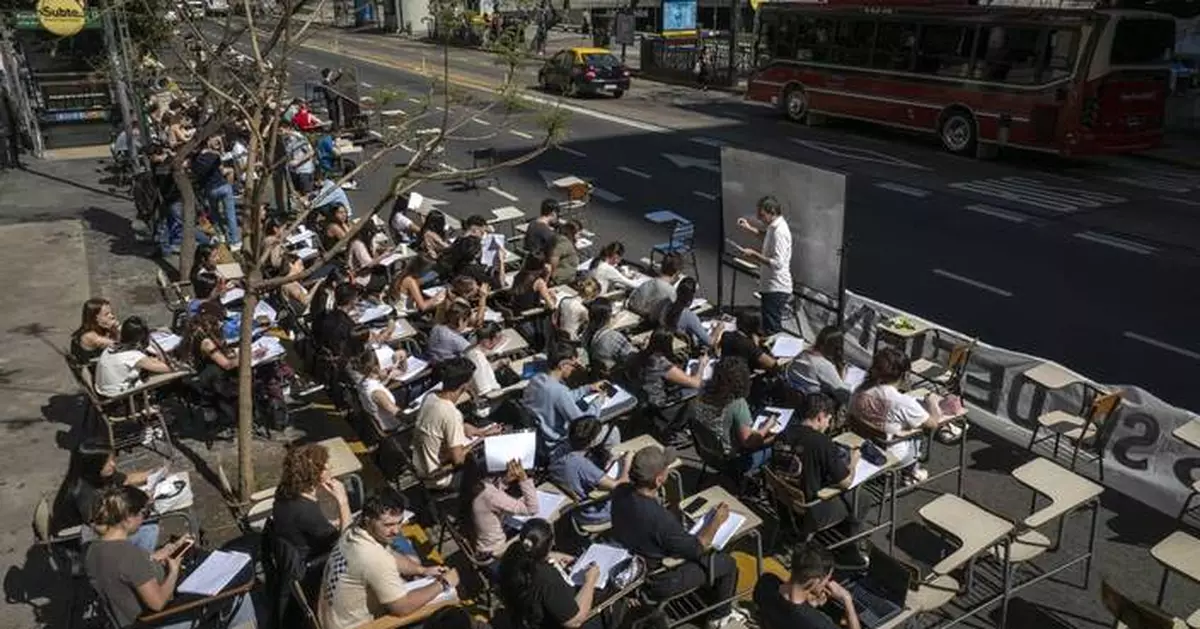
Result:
{"points": [[61, 17]]}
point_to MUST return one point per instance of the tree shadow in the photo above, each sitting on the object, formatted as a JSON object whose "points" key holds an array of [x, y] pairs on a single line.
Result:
{"points": [[124, 238], [76, 184]]}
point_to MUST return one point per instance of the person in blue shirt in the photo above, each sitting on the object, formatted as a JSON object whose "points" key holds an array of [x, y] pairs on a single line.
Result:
{"points": [[579, 474], [328, 194], [556, 406]]}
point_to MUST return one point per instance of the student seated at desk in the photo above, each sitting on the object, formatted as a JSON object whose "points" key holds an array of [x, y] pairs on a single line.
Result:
{"points": [[654, 368], [98, 330], [746, 342], [440, 437], [556, 406], [534, 591], [297, 515], [364, 579], [374, 391], [468, 292], [821, 367], [723, 412], [679, 317], [540, 233], [93, 469], [607, 347], [295, 292], [338, 332], [531, 286], [406, 288], [562, 256], [798, 602], [807, 457], [121, 366], [327, 195], [605, 269], [647, 298], [205, 280], [337, 227], [487, 502], [446, 339], [579, 474], [483, 381], [465, 254], [404, 229], [642, 525], [364, 263], [571, 315], [433, 239], [881, 406]]}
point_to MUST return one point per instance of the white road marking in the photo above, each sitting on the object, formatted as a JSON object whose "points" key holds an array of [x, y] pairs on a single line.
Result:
{"points": [[970, 282], [367, 85], [1178, 200], [520, 134], [1162, 345], [635, 173], [854, 152], [1038, 194], [481, 121], [1119, 243], [567, 149], [394, 112], [705, 195], [902, 189], [710, 142], [440, 108], [448, 167], [686, 161], [510, 197], [997, 212], [414, 100], [1154, 183], [606, 195]]}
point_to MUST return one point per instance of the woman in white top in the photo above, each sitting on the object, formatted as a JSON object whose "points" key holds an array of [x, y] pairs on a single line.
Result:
{"points": [[489, 336], [363, 262], [571, 316], [605, 269], [120, 366], [407, 292], [880, 405], [377, 400], [404, 229]]}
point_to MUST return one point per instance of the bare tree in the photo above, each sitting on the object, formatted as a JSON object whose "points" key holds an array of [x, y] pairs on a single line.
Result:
{"points": [[247, 88]]}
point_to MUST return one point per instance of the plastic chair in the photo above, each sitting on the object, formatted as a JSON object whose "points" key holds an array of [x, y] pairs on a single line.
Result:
{"points": [[1087, 431], [947, 377], [1130, 614], [682, 243]]}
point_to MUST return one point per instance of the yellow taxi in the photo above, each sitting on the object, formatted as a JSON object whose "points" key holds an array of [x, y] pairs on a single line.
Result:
{"points": [[576, 71]]}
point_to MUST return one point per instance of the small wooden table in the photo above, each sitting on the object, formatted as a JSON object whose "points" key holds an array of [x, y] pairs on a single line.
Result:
{"points": [[886, 333], [1051, 376], [1179, 552], [512, 343], [1189, 433], [242, 583], [715, 495], [506, 215], [342, 460], [230, 271]]}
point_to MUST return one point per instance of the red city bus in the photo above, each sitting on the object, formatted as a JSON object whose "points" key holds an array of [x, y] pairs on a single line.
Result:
{"points": [[1070, 81]]}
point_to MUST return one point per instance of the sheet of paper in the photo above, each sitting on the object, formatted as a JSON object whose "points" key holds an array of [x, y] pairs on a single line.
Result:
{"points": [[153, 479], [367, 314], [307, 253], [390, 258], [300, 235], [854, 377], [548, 503], [784, 414], [697, 303], [725, 533], [433, 291], [413, 367], [218, 569], [863, 471], [414, 201], [492, 244], [446, 595], [621, 397], [420, 399], [270, 348], [232, 295], [167, 340], [263, 309], [498, 450], [787, 346], [606, 559], [402, 330], [694, 364], [585, 266], [614, 470], [385, 356], [492, 315]]}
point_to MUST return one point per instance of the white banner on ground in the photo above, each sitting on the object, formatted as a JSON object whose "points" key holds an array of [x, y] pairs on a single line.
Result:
{"points": [[1141, 457]]}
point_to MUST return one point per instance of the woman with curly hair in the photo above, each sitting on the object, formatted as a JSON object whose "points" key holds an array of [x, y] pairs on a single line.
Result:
{"points": [[724, 413], [297, 515]]}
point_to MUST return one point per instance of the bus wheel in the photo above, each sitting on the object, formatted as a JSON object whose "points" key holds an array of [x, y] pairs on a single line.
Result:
{"points": [[795, 103], [957, 132]]}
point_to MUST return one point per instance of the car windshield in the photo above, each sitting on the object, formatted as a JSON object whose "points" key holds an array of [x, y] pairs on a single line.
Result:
{"points": [[601, 60], [1140, 41]]}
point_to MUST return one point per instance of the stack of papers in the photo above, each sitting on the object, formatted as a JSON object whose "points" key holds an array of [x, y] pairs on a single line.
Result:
{"points": [[548, 505], [446, 595], [263, 309], [498, 450], [218, 569], [727, 530], [606, 558], [270, 347], [784, 417], [166, 339], [787, 346], [307, 253]]}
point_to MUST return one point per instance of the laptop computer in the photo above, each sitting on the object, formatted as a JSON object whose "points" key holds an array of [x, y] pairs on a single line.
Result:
{"points": [[879, 595]]}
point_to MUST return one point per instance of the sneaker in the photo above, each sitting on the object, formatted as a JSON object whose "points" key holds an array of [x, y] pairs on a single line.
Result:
{"points": [[915, 475], [235, 247], [735, 615], [350, 185]]}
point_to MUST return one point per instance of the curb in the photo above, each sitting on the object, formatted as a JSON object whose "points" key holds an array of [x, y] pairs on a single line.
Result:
{"points": [[1190, 163]]}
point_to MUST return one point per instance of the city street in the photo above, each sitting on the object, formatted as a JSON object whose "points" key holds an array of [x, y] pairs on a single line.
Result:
{"points": [[1087, 262]]}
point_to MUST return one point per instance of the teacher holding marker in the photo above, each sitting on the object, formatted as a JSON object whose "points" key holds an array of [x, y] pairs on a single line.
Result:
{"points": [[774, 258]]}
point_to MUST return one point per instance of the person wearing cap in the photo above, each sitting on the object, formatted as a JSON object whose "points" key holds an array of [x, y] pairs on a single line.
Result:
{"points": [[556, 406], [646, 528]]}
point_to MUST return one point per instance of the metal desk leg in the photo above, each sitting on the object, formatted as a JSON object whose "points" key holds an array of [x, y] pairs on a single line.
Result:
{"points": [[1162, 587], [894, 481], [1007, 583], [962, 459], [1087, 566]]}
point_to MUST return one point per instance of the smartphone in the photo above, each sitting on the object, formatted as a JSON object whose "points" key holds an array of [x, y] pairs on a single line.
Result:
{"points": [[182, 550], [696, 505], [608, 389]]}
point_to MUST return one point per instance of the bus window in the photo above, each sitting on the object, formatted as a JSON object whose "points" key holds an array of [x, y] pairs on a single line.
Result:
{"points": [[944, 50], [1140, 41], [1061, 53], [895, 43], [852, 42], [1008, 54], [812, 40]]}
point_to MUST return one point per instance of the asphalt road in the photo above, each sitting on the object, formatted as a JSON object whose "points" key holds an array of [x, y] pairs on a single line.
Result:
{"points": [[1091, 263]]}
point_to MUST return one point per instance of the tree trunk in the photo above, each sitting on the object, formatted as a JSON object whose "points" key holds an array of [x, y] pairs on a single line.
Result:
{"points": [[245, 416], [187, 194]]}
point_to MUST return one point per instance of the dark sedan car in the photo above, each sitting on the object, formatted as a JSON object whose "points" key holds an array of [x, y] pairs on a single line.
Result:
{"points": [[584, 71]]}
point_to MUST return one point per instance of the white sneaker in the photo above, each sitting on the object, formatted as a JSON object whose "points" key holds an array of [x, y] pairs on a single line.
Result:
{"points": [[915, 475], [235, 247], [735, 615]]}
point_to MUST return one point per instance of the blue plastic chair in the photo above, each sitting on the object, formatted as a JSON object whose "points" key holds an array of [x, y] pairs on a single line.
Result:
{"points": [[682, 242]]}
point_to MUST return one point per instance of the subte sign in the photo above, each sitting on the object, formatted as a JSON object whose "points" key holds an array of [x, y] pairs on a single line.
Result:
{"points": [[61, 17]]}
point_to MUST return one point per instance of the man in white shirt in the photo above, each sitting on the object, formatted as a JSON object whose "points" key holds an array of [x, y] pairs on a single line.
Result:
{"points": [[441, 439], [774, 260]]}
